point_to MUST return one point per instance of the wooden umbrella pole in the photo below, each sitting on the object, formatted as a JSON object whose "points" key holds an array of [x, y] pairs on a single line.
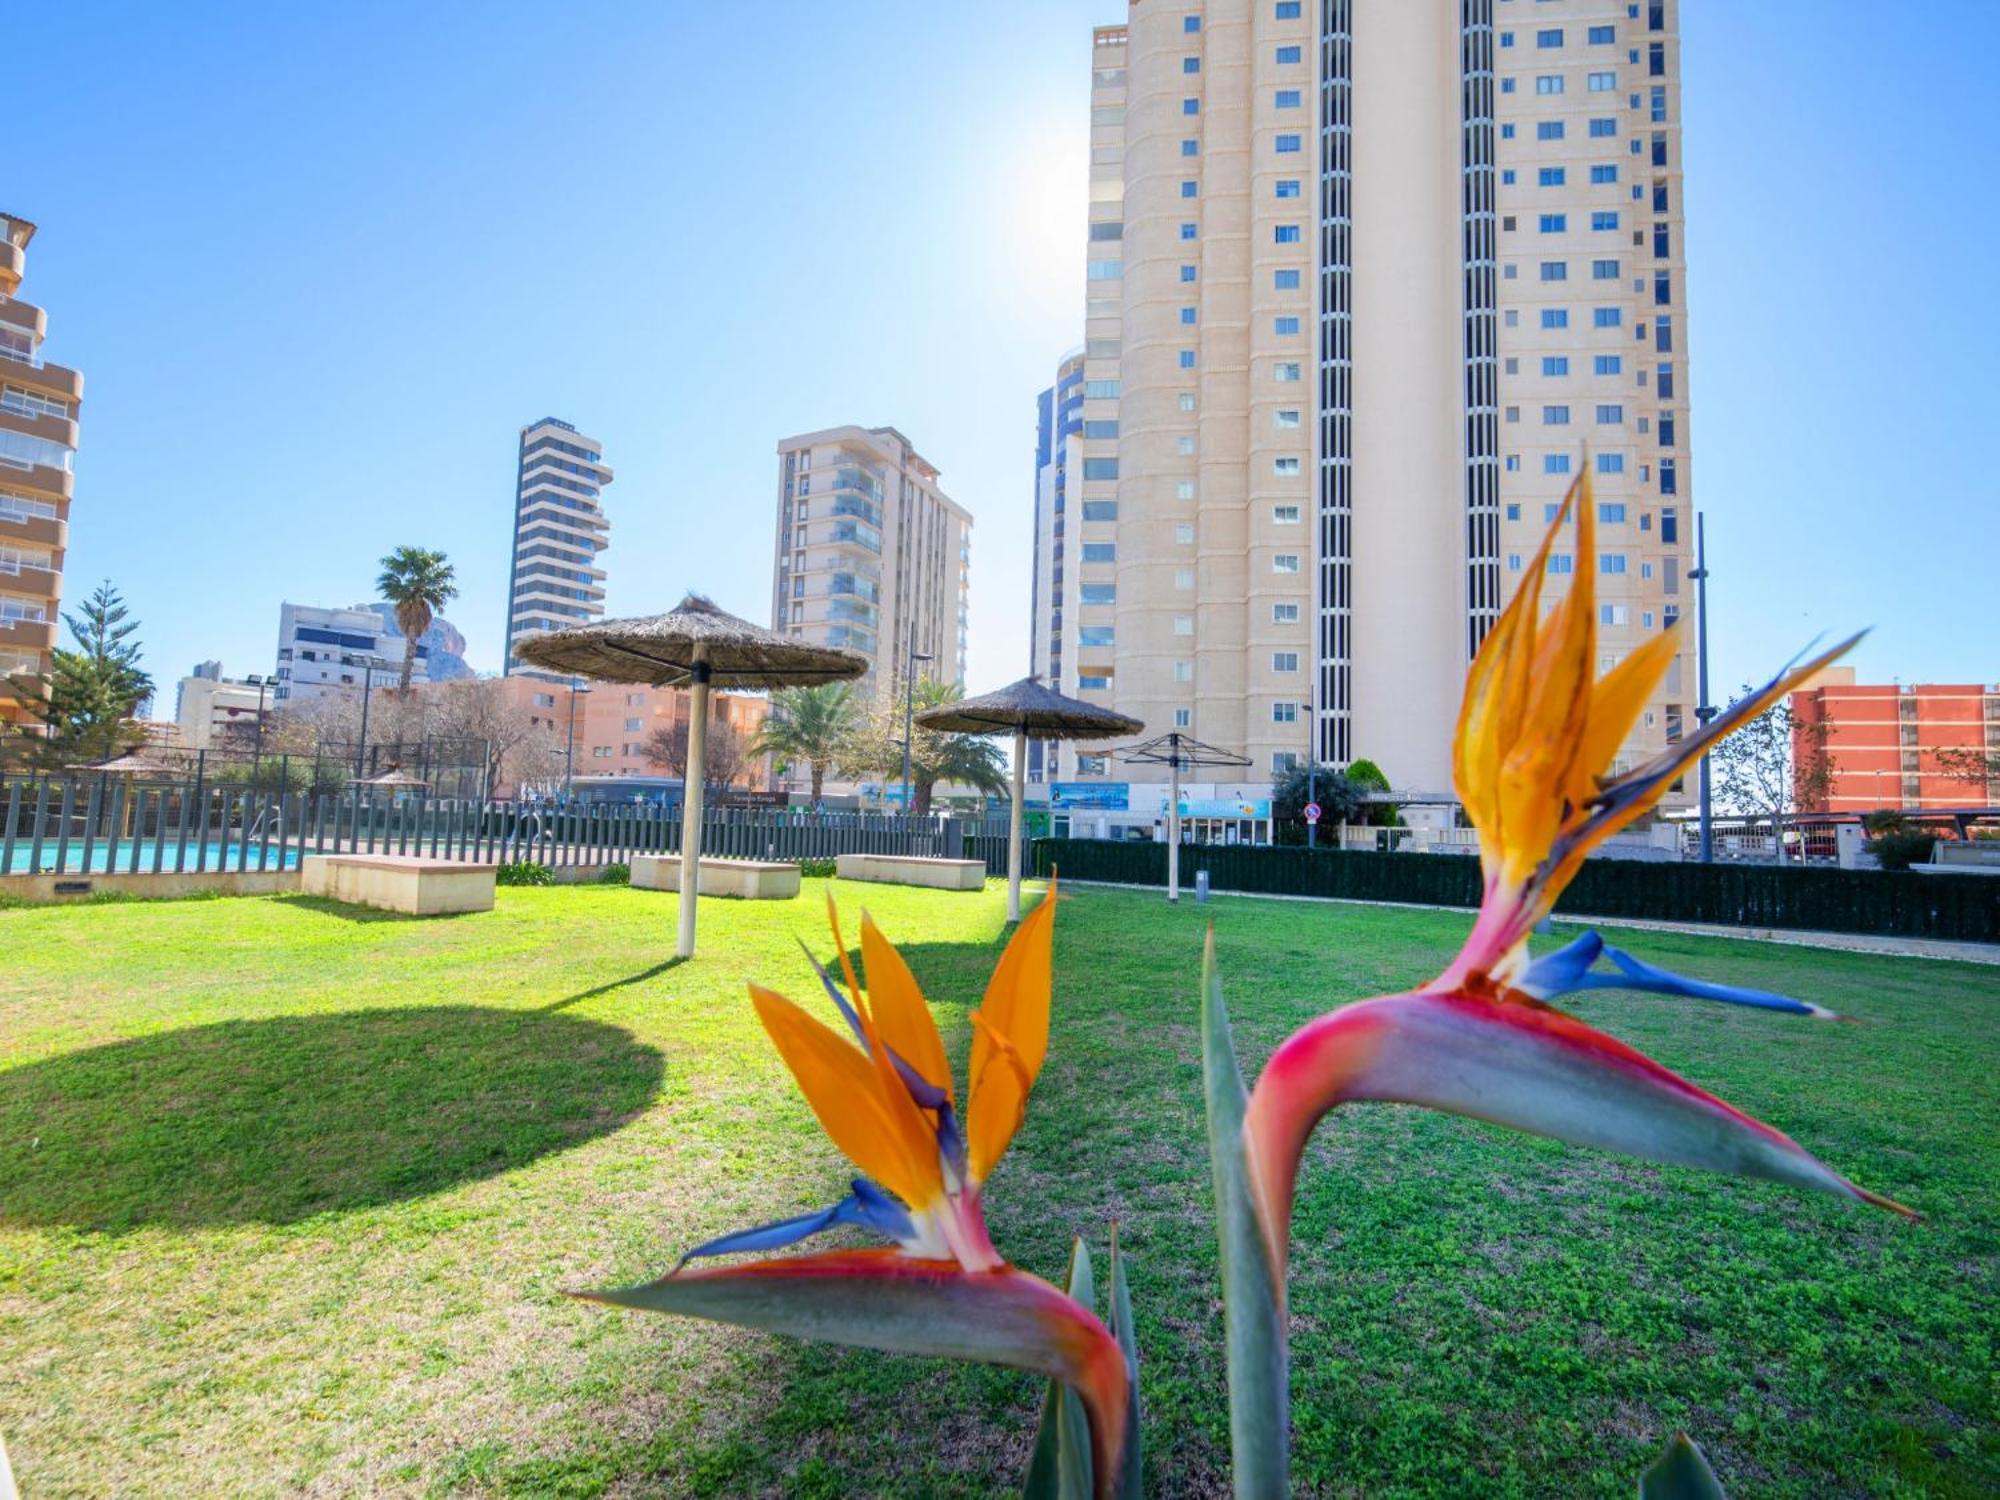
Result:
{"points": [[694, 778], [1014, 825]]}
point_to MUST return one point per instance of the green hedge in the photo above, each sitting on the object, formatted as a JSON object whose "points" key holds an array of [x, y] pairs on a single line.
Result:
{"points": [[1874, 901]]}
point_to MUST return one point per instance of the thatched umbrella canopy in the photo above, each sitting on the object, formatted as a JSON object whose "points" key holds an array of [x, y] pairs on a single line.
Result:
{"points": [[698, 646], [1032, 711], [395, 778], [130, 764]]}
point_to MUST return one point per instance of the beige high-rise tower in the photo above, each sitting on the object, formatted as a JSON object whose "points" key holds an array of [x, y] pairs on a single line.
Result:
{"points": [[1389, 270], [871, 554], [38, 431]]}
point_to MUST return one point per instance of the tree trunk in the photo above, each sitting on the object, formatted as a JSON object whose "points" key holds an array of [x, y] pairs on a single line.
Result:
{"points": [[409, 664], [818, 779], [920, 798]]}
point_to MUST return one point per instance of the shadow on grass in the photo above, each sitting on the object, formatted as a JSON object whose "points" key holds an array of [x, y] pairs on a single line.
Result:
{"points": [[610, 986], [273, 1121], [348, 912]]}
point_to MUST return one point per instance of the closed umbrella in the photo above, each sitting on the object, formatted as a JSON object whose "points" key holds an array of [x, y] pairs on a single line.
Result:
{"points": [[1032, 711], [700, 647]]}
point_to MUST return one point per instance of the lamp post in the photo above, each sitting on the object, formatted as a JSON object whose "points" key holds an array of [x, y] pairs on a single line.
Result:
{"points": [[913, 656], [257, 754], [577, 686], [368, 664], [1704, 710]]}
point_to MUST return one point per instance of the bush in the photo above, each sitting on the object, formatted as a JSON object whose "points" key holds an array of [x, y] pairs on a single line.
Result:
{"points": [[616, 875], [1900, 849], [816, 869], [524, 872]]}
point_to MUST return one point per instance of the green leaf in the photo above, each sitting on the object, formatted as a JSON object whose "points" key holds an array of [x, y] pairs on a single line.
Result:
{"points": [[1253, 1305], [1131, 1468], [1680, 1473], [1061, 1467]]}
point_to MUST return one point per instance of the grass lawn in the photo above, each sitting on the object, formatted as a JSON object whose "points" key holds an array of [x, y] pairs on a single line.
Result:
{"points": [[288, 1194]]}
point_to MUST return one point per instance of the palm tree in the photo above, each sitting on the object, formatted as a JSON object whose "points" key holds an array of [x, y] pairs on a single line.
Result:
{"points": [[817, 725], [964, 759], [419, 583]]}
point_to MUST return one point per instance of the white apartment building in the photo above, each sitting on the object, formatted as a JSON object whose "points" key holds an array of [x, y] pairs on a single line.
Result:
{"points": [[871, 554], [327, 650], [1386, 272], [559, 528]]}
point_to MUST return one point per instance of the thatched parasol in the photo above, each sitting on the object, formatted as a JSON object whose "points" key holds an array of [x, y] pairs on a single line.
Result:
{"points": [[396, 779], [700, 647], [130, 764], [1031, 711]]}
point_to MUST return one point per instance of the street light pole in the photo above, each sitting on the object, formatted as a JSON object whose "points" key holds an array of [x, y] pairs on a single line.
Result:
{"points": [[912, 657], [576, 686], [367, 683], [1704, 710]]}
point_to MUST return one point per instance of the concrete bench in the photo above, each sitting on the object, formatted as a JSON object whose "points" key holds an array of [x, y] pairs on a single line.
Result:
{"points": [[912, 869], [1950, 857], [747, 879], [408, 883]]}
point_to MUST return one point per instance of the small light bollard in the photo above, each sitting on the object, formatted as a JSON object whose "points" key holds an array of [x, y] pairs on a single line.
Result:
{"points": [[1201, 887]]}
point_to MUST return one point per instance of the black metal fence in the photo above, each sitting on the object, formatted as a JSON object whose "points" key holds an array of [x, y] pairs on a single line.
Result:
{"points": [[107, 826]]}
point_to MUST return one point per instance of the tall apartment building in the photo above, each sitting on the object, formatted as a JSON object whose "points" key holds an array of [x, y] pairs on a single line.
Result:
{"points": [[871, 554], [1385, 272], [324, 651], [38, 432], [1053, 598], [559, 528], [1883, 741]]}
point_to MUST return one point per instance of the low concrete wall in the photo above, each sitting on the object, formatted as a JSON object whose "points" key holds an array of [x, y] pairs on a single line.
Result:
{"points": [[746, 879], [910, 869], [401, 883], [163, 887]]}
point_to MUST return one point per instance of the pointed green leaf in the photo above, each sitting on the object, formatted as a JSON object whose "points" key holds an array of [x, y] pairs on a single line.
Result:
{"points": [[1061, 1468], [1253, 1305], [1680, 1473], [1131, 1468]]}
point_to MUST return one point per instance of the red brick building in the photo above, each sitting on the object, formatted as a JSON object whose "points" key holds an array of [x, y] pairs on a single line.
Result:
{"points": [[1884, 740]]}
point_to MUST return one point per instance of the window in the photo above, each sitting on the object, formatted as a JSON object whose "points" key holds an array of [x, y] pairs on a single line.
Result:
{"points": [[1604, 270], [1190, 65], [1190, 147], [1604, 172], [1669, 477], [1288, 143], [1288, 10], [1288, 187], [1284, 562], [1190, 106], [1100, 510], [1555, 364], [1606, 317], [1285, 418], [1611, 614], [1506, 176], [1611, 562], [1284, 661], [1184, 533], [1285, 281], [1187, 273], [1606, 364], [1611, 514], [1656, 59], [1514, 512], [1187, 316], [1092, 765], [1507, 132], [1554, 223], [1100, 429], [1096, 635], [1187, 359], [1612, 463], [1184, 578], [1549, 177], [1603, 83], [1555, 416], [1288, 55], [1184, 490], [1610, 416], [633, 726], [1506, 38], [1190, 23], [1555, 270], [1513, 562], [1602, 36], [1561, 562], [1555, 317], [1100, 468], [1183, 671], [1100, 552], [1513, 467], [1551, 38], [1185, 400], [1284, 515], [1286, 99], [1285, 372], [1604, 219], [1283, 326], [1285, 613], [1284, 713], [1183, 717], [1105, 270], [1189, 189], [1548, 83], [1183, 624], [1555, 463], [1184, 446], [1189, 231], [1603, 129], [1670, 530]]}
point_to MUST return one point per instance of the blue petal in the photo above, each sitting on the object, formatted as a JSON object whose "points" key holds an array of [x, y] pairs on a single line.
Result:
{"points": [[927, 1094], [1559, 972], [867, 1205], [1567, 970]]}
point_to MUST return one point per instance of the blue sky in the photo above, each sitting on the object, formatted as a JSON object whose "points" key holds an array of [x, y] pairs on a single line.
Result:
{"points": [[320, 261]]}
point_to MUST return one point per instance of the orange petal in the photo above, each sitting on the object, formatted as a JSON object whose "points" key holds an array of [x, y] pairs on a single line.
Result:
{"points": [[1620, 697], [898, 1003], [1016, 1008], [878, 1127]]}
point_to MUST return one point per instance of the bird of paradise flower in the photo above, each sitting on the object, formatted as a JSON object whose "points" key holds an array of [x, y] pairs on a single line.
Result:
{"points": [[1536, 735]]}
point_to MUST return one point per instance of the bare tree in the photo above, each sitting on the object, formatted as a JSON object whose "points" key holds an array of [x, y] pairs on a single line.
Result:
{"points": [[1774, 765], [517, 748], [725, 759]]}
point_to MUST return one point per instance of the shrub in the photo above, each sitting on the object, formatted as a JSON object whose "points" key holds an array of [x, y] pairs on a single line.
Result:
{"points": [[1900, 849], [524, 872], [816, 869], [616, 875]]}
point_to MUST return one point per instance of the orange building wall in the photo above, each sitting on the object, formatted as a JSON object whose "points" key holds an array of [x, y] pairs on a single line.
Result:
{"points": [[1884, 737], [607, 744]]}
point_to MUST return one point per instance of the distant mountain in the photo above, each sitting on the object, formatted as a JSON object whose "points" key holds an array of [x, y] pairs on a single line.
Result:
{"points": [[443, 643]]}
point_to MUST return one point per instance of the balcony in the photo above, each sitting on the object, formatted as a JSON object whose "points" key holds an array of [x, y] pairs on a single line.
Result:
{"points": [[30, 578], [26, 635], [59, 381], [40, 482], [849, 504], [41, 532], [24, 315], [863, 614], [858, 586], [854, 534], [52, 429]]}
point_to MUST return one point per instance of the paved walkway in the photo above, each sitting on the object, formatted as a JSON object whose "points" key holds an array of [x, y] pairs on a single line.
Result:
{"points": [[1848, 942]]}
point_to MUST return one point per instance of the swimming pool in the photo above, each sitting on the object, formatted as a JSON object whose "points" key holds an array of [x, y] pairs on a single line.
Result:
{"points": [[116, 858]]}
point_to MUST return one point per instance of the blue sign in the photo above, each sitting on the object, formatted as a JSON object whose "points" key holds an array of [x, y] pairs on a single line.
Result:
{"points": [[1225, 808], [1099, 796]]}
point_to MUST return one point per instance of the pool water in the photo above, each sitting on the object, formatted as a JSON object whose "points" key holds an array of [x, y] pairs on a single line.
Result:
{"points": [[106, 857]]}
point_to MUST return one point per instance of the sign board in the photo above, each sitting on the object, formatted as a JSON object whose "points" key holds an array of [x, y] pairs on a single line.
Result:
{"points": [[1312, 812], [1101, 796], [1192, 807]]}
